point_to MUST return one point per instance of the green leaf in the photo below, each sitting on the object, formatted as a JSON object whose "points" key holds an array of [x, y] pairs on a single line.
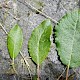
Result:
{"points": [[68, 39], [14, 41], [39, 42]]}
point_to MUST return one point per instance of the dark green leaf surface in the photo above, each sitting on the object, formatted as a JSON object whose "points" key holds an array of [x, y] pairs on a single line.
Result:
{"points": [[39, 42], [14, 41], [68, 39]]}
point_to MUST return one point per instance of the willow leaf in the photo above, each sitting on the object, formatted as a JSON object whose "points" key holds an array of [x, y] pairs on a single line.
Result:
{"points": [[14, 41], [68, 38], [39, 42]]}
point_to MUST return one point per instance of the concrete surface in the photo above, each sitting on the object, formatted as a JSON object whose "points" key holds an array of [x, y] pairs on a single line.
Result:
{"points": [[29, 19]]}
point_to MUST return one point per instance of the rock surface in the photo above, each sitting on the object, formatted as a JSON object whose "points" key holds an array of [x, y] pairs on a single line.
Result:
{"points": [[28, 20]]}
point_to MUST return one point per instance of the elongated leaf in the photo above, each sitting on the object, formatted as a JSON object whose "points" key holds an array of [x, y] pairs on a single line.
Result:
{"points": [[39, 42], [14, 41], [68, 38]]}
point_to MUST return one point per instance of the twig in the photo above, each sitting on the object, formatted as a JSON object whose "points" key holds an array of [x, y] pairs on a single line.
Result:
{"points": [[24, 59], [61, 74], [28, 66], [3, 29], [12, 15], [5, 6], [39, 11]]}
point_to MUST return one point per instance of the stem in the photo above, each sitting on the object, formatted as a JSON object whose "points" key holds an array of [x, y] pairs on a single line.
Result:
{"points": [[38, 72], [14, 67], [67, 72]]}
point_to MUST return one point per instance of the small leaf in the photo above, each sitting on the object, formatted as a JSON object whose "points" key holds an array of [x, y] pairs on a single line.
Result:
{"points": [[39, 42], [14, 41], [68, 38]]}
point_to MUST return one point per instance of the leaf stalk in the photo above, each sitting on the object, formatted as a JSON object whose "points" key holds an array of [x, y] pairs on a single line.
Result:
{"points": [[67, 72], [38, 72]]}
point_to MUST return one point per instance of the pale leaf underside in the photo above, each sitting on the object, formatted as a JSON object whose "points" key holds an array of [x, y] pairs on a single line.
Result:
{"points": [[68, 39]]}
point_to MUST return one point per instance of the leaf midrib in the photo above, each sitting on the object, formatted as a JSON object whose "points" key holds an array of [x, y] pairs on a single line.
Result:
{"points": [[38, 61], [14, 41]]}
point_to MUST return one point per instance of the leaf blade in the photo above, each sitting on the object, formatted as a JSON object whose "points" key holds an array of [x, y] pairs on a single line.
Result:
{"points": [[14, 41], [67, 40], [39, 37]]}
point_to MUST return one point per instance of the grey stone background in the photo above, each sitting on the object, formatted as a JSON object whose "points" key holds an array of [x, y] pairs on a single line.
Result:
{"points": [[28, 20]]}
